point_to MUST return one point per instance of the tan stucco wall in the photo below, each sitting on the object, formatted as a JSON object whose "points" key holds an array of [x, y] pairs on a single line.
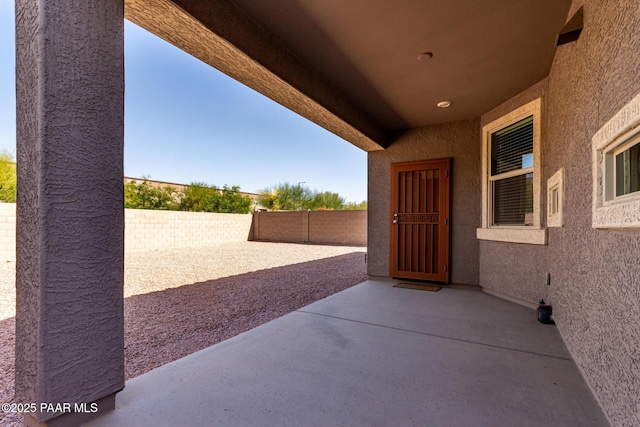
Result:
{"points": [[458, 140], [328, 227], [525, 284], [595, 274]]}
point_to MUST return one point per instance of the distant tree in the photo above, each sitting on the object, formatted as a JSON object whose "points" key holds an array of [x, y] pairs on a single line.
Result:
{"points": [[352, 206], [146, 196], [232, 201], [201, 197], [196, 196], [286, 197], [327, 200], [267, 199], [8, 179]]}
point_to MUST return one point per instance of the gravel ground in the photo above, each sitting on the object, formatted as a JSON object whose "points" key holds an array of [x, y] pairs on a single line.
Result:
{"points": [[181, 301]]}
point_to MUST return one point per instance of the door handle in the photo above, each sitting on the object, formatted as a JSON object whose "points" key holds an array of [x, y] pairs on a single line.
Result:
{"points": [[395, 218]]}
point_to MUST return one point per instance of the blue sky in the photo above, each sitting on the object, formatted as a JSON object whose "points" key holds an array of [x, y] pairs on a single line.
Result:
{"points": [[185, 122]]}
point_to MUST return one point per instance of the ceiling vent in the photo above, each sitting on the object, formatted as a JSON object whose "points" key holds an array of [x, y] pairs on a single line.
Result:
{"points": [[572, 29]]}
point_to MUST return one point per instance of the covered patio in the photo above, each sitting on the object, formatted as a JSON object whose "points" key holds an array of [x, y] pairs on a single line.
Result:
{"points": [[550, 214], [456, 357]]}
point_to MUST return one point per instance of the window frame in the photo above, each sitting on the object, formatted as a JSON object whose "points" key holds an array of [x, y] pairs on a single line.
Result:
{"points": [[610, 176], [494, 178], [555, 187], [528, 234], [622, 131]]}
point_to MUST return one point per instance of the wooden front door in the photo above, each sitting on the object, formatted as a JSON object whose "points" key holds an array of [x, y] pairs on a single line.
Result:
{"points": [[420, 223]]}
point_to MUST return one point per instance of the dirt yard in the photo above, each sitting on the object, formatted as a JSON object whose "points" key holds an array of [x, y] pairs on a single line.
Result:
{"points": [[180, 301]]}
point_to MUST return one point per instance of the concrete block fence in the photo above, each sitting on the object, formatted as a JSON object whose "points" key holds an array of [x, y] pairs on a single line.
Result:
{"points": [[7, 231], [148, 230], [328, 227]]}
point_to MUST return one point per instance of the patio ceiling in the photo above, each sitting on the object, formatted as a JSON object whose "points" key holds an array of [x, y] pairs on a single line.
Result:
{"points": [[358, 59]]}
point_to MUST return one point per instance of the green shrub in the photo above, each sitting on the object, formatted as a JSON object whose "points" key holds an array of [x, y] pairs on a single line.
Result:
{"points": [[232, 201], [328, 200], [8, 179], [362, 206], [146, 196], [196, 197], [201, 197], [288, 197]]}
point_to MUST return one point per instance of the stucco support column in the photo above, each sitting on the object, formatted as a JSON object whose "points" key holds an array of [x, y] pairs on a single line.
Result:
{"points": [[70, 216]]}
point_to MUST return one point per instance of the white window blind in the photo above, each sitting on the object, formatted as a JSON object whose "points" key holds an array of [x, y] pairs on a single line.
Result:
{"points": [[511, 175]]}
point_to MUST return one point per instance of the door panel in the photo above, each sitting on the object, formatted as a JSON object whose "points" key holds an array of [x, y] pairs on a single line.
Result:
{"points": [[420, 227]]}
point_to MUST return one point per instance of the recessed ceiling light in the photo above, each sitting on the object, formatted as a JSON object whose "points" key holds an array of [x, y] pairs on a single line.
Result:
{"points": [[444, 104], [425, 56]]}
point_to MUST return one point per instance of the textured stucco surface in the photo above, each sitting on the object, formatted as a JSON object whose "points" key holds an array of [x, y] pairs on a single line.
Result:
{"points": [[69, 328], [595, 274], [70, 127], [458, 140], [526, 283]]}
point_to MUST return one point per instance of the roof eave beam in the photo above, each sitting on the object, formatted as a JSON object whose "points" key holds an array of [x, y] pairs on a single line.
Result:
{"points": [[221, 35]]}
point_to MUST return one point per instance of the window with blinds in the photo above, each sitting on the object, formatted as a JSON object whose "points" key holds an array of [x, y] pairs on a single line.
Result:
{"points": [[511, 176], [627, 171]]}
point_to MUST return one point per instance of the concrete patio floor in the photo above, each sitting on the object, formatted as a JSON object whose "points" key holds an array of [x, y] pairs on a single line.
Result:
{"points": [[373, 355]]}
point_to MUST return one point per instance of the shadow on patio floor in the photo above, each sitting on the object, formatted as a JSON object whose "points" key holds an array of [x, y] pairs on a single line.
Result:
{"points": [[163, 326], [373, 355]]}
